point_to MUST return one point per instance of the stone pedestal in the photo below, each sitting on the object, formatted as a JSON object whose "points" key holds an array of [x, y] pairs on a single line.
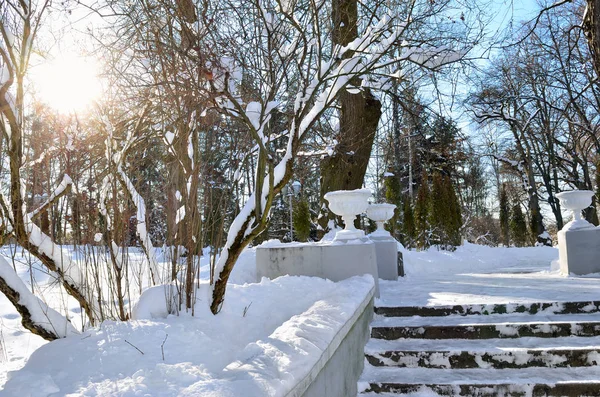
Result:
{"points": [[386, 249], [332, 260], [579, 251]]}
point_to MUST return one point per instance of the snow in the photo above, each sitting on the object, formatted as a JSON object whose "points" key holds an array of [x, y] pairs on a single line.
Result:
{"points": [[483, 345], [475, 274], [169, 137], [521, 377], [156, 302], [204, 355], [545, 235], [286, 322], [58, 191], [41, 314], [4, 74], [180, 214], [577, 224], [141, 229], [502, 320]]}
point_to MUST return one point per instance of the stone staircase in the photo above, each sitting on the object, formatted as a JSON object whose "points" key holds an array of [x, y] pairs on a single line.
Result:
{"points": [[533, 349]]}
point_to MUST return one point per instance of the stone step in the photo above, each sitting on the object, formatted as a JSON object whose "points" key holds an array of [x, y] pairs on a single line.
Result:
{"points": [[375, 346], [482, 382], [573, 389], [550, 329], [485, 309], [486, 327], [516, 358]]}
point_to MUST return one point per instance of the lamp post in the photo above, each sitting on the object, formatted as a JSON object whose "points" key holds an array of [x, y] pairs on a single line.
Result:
{"points": [[295, 189]]}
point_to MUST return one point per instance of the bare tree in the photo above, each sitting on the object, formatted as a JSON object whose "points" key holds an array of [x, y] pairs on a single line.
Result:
{"points": [[19, 24], [293, 67]]}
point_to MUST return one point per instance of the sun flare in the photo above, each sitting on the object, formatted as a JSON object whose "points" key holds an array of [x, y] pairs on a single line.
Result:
{"points": [[67, 84]]}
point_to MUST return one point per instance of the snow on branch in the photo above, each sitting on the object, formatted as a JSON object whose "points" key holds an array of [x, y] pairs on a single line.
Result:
{"points": [[49, 323], [141, 228], [62, 189], [433, 58], [116, 157]]}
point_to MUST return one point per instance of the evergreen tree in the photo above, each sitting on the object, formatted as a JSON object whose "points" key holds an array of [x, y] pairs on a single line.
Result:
{"points": [[301, 219], [422, 213], [408, 224], [445, 219], [393, 195], [453, 222], [504, 216], [518, 226], [439, 214]]}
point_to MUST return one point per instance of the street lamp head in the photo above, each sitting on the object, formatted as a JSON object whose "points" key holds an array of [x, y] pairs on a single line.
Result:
{"points": [[296, 186]]}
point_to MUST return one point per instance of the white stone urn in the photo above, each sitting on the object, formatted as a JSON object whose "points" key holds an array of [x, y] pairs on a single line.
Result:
{"points": [[576, 201], [380, 213], [348, 204]]}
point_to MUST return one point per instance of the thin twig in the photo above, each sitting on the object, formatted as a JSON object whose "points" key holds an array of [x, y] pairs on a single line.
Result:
{"points": [[126, 341], [162, 347], [246, 309]]}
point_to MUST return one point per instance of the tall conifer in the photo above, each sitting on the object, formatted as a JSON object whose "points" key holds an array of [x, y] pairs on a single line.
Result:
{"points": [[393, 195], [408, 223], [518, 226], [301, 220], [439, 211], [453, 223], [422, 214], [504, 216]]}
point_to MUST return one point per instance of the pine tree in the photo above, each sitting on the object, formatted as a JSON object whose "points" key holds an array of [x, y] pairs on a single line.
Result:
{"points": [[504, 216], [518, 226], [422, 214], [408, 224], [301, 220]]}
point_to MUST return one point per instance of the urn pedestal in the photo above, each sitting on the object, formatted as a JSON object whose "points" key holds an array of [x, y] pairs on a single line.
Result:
{"points": [[578, 240]]}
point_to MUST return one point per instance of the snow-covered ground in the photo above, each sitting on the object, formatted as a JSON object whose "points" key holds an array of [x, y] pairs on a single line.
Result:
{"points": [[198, 350], [17, 344], [479, 274], [288, 321]]}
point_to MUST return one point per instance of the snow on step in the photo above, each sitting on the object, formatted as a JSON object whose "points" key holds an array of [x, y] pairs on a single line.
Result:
{"points": [[466, 321], [485, 309], [514, 358], [485, 327], [373, 374], [482, 345], [566, 389], [554, 381], [485, 353]]}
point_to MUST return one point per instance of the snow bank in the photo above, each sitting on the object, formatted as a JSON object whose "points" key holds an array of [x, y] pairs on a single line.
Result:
{"points": [[476, 274], [288, 321], [42, 315], [477, 258]]}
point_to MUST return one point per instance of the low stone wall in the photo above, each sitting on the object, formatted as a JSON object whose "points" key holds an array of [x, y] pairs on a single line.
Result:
{"points": [[319, 353], [337, 372], [335, 261]]}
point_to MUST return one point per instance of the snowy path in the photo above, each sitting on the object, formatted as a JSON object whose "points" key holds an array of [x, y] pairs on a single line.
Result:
{"points": [[483, 275]]}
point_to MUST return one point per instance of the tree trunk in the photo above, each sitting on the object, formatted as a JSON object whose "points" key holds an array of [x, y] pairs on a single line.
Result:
{"points": [[14, 297], [591, 27], [359, 117]]}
